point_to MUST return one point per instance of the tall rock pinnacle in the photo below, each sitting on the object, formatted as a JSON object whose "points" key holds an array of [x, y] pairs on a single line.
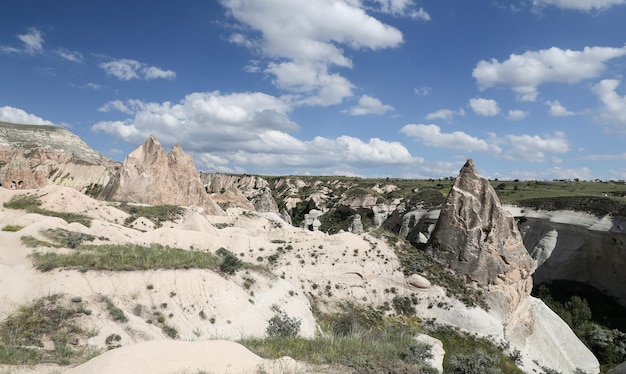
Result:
{"points": [[150, 176], [478, 239]]}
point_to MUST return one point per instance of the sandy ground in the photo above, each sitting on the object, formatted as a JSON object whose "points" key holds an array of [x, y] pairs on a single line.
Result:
{"points": [[209, 310]]}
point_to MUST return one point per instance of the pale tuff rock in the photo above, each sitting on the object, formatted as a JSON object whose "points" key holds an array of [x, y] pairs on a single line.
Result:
{"points": [[51, 154], [574, 252], [17, 174], [436, 349], [149, 176], [253, 188], [231, 198], [478, 239], [356, 227], [418, 281]]}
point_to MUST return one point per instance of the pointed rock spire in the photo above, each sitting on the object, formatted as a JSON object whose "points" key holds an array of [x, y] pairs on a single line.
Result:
{"points": [[478, 239], [150, 176]]}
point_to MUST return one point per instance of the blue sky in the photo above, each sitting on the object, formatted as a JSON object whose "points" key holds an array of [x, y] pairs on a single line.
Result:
{"points": [[401, 88]]}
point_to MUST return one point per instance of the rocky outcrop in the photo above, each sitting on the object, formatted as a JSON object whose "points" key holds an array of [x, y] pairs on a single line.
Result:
{"points": [[150, 176], [52, 154], [479, 240], [356, 227], [577, 246], [254, 188], [17, 174]]}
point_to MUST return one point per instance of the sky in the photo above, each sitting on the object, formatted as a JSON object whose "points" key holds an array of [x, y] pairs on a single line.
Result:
{"points": [[530, 89]]}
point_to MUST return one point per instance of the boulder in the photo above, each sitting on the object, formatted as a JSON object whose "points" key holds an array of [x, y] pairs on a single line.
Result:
{"points": [[149, 176], [418, 281], [619, 369]]}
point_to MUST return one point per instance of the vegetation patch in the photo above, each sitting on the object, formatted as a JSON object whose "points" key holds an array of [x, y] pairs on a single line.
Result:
{"points": [[118, 257], [596, 205], [12, 228], [155, 213], [598, 320], [44, 331], [32, 204], [416, 261]]}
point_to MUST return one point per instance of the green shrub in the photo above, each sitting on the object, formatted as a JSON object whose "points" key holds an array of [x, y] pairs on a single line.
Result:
{"points": [[477, 362], [116, 313], [229, 263], [12, 228], [403, 306], [48, 319], [283, 326]]}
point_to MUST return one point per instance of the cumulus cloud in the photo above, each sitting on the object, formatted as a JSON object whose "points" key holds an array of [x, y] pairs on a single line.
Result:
{"points": [[32, 43], [531, 148], [613, 111], [402, 8], [369, 105], [19, 116], [484, 107], [126, 69], [525, 72], [431, 135], [300, 51], [239, 131], [517, 115], [583, 5], [558, 110], [445, 114]]}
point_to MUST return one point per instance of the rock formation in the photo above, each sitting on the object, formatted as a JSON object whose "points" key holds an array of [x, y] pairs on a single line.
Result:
{"points": [[150, 176], [356, 227], [17, 174], [50, 154], [577, 246], [479, 239]]}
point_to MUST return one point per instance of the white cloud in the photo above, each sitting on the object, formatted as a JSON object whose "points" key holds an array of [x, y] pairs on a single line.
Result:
{"points": [[235, 132], [422, 91], [311, 82], [369, 105], [558, 110], [19, 116], [534, 148], [94, 86], [517, 115], [126, 69], [302, 40], [605, 157], [584, 5], [70, 55], [530, 148], [116, 105], [431, 135], [613, 111], [484, 107], [525, 72], [402, 8], [32, 43], [445, 114]]}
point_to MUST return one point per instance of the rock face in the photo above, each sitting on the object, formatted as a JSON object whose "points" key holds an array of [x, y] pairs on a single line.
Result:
{"points": [[50, 154], [592, 250], [16, 174], [478, 239], [150, 176], [356, 227]]}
